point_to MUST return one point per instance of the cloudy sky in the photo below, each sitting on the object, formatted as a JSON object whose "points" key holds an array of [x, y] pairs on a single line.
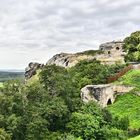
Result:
{"points": [[35, 30]]}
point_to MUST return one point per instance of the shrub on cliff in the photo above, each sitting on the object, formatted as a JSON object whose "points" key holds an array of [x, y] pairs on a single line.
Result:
{"points": [[132, 47]]}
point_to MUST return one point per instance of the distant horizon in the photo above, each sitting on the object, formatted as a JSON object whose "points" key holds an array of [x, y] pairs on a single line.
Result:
{"points": [[12, 70]]}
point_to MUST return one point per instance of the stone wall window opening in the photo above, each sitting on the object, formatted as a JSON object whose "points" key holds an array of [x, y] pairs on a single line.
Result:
{"points": [[109, 52], [102, 49], [117, 48]]}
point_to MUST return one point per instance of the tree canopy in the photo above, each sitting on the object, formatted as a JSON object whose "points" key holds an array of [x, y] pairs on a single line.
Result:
{"points": [[132, 47], [51, 109]]}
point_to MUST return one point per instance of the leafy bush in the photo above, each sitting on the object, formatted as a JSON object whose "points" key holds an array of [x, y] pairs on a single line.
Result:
{"points": [[50, 107], [132, 47]]}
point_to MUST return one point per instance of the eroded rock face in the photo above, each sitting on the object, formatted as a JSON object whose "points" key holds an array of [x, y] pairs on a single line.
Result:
{"points": [[31, 69], [112, 53], [103, 94], [68, 60]]}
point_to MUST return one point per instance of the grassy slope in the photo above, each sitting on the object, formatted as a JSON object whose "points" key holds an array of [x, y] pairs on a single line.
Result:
{"points": [[34, 78], [1, 84], [135, 138], [129, 104]]}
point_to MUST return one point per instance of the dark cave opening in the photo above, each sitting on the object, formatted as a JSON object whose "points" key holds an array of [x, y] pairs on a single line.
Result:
{"points": [[109, 102]]}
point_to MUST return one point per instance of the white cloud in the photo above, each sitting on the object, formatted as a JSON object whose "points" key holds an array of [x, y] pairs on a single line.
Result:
{"points": [[34, 30]]}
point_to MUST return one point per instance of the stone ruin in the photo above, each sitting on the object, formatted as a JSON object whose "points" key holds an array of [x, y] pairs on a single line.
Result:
{"points": [[103, 94], [113, 52]]}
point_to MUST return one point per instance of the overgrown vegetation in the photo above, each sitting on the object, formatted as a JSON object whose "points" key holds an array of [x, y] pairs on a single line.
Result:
{"points": [[50, 108], [128, 104], [91, 52], [132, 47], [135, 138]]}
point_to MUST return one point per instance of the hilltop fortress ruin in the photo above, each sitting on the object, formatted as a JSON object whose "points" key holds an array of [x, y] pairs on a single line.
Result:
{"points": [[108, 53]]}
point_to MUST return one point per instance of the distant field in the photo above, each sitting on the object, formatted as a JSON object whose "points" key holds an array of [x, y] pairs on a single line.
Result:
{"points": [[5, 76], [129, 104]]}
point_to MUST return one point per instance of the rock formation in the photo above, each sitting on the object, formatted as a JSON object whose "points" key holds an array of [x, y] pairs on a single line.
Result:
{"points": [[103, 94], [31, 69], [68, 60], [112, 53]]}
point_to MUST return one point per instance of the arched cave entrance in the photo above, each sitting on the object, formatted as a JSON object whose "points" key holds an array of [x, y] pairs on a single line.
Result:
{"points": [[109, 102], [117, 48]]}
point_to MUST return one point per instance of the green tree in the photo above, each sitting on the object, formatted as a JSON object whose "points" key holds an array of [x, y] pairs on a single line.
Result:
{"points": [[132, 47], [83, 125], [4, 135]]}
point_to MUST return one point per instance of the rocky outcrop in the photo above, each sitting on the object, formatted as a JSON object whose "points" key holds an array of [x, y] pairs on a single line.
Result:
{"points": [[31, 69], [103, 94], [68, 60], [112, 53], [136, 66]]}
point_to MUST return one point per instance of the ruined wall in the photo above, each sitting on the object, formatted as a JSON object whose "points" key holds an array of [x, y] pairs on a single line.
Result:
{"points": [[136, 66], [103, 94], [113, 53]]}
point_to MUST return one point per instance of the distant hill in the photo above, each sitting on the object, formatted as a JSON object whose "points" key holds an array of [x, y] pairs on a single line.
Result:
{"points": [[10, 75]]}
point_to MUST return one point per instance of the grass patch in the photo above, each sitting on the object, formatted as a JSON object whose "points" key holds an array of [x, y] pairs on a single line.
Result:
{"points": [[34, 78], [135, 138], [131, 78], [91, 52], [1, 84], [128, 104]]}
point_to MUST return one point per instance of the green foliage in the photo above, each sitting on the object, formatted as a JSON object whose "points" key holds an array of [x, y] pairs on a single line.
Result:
{"points": [[91, 52], [121, 123], [1, 84], [4, 135], [84, 125], [107, 133], [36, 129], [135, 138], [56, 112], [131, 78], [92, 72], [128, 105], [132, 47], [50, 107], [90, 123]]}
